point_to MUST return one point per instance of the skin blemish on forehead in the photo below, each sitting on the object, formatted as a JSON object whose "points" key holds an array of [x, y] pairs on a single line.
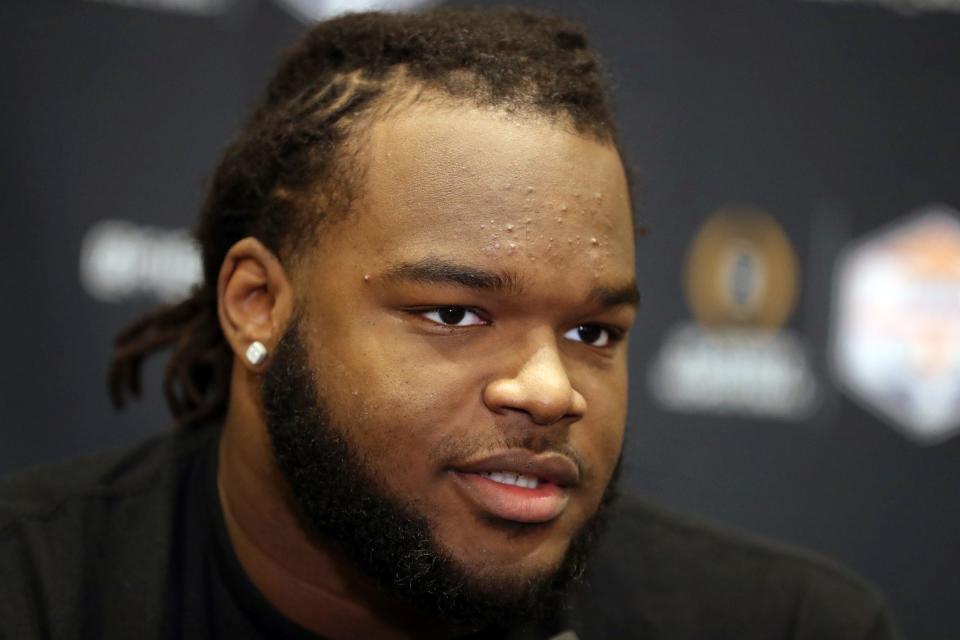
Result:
{"points": [[534, 177]]}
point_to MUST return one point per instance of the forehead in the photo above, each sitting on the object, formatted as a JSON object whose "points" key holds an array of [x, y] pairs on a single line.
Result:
{"points": [[495, 188]]}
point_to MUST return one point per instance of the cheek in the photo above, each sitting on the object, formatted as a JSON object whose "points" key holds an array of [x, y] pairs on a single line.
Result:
{"points": [[603, 432], [395, 406]]}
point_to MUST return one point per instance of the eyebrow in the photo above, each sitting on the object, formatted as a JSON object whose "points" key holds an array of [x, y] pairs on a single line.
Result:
{"points": [[435, 270], [607, 297]]}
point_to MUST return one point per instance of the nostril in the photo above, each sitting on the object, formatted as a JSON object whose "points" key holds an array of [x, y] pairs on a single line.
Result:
{"points": [[550, 409], [540, 388]]}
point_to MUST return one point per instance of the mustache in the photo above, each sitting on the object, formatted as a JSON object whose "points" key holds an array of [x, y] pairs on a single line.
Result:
{"points": [[454, 449]]}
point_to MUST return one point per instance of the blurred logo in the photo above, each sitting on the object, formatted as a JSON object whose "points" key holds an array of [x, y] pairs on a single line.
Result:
{"points": [[907, 7], [120, 260], [312, 10], [741, 282], [896, 324], [305, 10], [741, 271], [190, 7]]}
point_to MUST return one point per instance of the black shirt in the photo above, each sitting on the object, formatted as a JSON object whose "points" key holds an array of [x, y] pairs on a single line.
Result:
{"points": [[134, 545]]}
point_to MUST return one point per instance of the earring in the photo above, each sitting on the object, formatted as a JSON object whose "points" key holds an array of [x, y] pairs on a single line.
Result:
{"points": [[256, 352]]}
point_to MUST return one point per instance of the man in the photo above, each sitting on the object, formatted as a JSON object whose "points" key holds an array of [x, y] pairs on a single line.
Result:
{"points": [[402, 385]]}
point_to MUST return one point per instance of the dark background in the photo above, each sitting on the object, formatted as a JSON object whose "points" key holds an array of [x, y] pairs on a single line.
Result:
{"points": [[837, 118]]}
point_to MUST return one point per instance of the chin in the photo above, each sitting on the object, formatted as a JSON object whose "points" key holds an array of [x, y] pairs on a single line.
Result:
{"points": [[513, 583], [499, 552], [519, 573]]}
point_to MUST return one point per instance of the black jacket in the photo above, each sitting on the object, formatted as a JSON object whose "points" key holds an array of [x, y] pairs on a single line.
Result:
{"points": [[133, 545]]}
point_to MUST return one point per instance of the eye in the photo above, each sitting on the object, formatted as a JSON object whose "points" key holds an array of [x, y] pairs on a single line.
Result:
{"points": [[591, 334], [453, 317]]}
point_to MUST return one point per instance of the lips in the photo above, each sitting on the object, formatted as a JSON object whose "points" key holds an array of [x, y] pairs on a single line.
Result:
{"points": [[518, 485]]}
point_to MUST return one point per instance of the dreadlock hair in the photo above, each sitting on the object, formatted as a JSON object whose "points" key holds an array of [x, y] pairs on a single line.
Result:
{"points": [[288, 171]]}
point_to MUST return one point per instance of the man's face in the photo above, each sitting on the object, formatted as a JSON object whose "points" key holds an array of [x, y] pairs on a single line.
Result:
{"points": [[465, 326]]}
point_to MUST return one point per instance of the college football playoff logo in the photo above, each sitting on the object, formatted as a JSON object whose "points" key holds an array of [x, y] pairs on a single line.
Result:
{"points": [[741, 280]]}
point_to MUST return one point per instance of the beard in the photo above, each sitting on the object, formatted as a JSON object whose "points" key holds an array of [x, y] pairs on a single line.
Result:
{"points": [[338, 497]]}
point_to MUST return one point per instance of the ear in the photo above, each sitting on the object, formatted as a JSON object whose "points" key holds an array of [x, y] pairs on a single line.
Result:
{"points": [[254, 299]]}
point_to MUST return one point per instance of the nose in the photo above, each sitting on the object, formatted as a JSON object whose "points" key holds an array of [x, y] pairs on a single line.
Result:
{"points": [[540, 387]]}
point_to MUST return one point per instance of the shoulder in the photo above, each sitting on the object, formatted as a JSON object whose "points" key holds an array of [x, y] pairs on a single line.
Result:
{"points": [[44, 492], [671, 543], [89, 530], [684, 577]]}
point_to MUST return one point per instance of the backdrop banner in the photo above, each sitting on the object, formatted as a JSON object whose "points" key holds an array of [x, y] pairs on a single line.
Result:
{"points": [[796, 364]]}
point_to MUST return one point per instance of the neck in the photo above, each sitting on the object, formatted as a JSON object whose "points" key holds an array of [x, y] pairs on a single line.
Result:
{"points": [[305, 579]]}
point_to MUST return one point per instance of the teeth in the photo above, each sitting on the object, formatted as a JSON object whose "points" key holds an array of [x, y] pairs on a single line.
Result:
{"points": [[515, 479]]}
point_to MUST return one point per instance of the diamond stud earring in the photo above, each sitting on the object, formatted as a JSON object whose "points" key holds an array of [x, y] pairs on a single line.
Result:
{"points": [[256, 352]]}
